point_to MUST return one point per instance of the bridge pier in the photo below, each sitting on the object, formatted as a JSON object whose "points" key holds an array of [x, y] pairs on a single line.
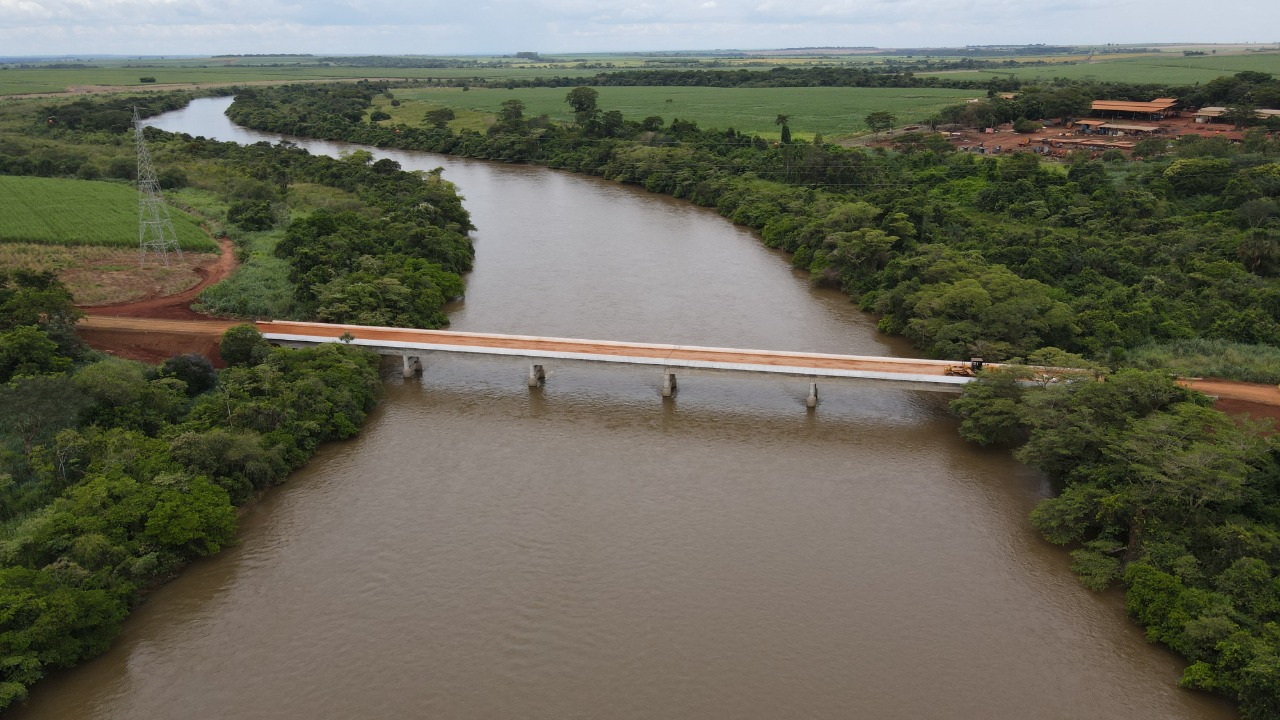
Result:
{"points": [[537, 376], [668, 383], [812, 400], [412, 365]]}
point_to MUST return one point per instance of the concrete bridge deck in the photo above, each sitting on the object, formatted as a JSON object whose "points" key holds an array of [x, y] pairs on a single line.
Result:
{"points": [[413, 344]]}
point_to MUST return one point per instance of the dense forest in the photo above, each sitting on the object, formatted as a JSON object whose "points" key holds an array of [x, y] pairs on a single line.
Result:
{"points": [[114, 474], [1078, 265], [1155, 488]]}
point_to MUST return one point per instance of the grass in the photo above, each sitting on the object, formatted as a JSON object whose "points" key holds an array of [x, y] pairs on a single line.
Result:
{"points": [[1157, 68], [833, 112], [82, 212], [259, 288], [1211, 358]]}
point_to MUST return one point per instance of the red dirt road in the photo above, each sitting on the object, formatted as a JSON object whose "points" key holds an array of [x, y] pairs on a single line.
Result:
{"points": [[177, 306], [1257, 400], [150, 345]]}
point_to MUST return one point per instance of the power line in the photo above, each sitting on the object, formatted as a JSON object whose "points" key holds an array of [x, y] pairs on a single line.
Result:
{"points": [[155, 228]]}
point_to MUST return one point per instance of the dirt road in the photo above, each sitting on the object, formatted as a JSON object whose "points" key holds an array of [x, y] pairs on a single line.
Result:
{"points": [[154, 344]]}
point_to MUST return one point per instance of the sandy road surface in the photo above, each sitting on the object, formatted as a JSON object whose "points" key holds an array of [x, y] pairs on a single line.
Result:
{"points": [[1232, 390], [619, 349]]}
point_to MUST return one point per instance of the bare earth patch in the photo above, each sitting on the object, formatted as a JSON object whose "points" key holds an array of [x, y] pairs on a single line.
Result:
{"points": [[105, 276]]}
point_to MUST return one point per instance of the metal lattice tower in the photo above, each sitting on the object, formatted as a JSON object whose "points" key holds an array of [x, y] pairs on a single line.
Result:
{"points": [[155, 229]]}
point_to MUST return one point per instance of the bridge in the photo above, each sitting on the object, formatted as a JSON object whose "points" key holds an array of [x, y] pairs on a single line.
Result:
{"points": [[536, 353], [412, 345]]}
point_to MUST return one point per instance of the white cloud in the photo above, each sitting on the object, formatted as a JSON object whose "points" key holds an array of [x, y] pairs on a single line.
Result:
{"points": [[50, 27]]}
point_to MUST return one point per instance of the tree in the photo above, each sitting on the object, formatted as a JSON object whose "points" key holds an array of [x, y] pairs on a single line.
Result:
{"points": [[1241, 115], [38, 298], [192, 516], [35, 408], [439, 117], [786, 129], [359, 156], [511, 116], [583, 100], [193, 369], [251, 215], [28, 350], [1023, 125], [880, 120], [243, 345]]}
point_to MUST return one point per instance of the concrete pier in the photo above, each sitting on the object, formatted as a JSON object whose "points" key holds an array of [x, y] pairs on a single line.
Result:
{"points": [[668, 384], [812, 400], [412, 365], [537, 376]]}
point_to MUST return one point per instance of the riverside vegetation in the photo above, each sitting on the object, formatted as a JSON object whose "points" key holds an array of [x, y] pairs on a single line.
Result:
{"points": [[1092, 262], [1172, 256], [115, 474]]}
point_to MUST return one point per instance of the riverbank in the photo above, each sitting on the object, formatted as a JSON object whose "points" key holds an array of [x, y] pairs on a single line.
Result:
{"points": [[587, 549]]}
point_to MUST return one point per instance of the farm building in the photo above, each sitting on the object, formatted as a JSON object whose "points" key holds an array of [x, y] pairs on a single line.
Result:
{"points": [[1157, 109], [1215, 113], [1106, 127]]}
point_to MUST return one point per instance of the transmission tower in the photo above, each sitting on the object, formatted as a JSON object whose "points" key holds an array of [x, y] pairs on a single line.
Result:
{"points": [[155, 229]]}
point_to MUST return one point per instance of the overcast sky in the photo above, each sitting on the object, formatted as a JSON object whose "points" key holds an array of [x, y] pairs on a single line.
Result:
{"points": [[170, 27]]}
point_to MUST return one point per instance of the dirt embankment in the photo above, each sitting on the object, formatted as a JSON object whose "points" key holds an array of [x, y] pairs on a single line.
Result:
{"points": [[1257, 400], [155, 347]]}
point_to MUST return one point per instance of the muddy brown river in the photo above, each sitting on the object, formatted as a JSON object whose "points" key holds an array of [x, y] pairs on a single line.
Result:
{"points": [[589, 550]]}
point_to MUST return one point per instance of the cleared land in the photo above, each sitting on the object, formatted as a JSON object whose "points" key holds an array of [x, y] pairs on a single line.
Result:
{"points": [[834, 112], [81, 212], [102, 276]]}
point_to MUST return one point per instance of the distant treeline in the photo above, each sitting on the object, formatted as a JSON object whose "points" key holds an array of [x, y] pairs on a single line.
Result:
{"points": [[396, 61], [1259, 89]]}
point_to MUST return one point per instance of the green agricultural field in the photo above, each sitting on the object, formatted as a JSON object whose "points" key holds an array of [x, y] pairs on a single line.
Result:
{"points": [[1168, 66], [1158, 68], [81, 212], [17, 81], [833, 112]]}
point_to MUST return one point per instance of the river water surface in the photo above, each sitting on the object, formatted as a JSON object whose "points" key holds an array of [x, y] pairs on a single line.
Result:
{"points": [[589, 550]]}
